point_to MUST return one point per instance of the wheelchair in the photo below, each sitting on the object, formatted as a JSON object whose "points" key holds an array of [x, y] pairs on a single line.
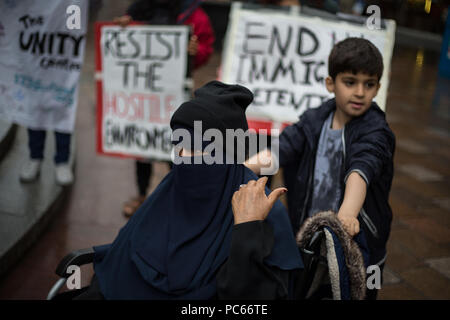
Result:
{"points": [[75, 258], [313, 262]]}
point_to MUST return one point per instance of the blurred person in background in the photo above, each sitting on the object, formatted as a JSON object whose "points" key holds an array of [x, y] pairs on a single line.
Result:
{"points": [[200, 48], [36, 143]]}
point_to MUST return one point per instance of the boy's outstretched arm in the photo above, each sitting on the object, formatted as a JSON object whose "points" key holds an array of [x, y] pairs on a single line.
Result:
{"points": [[354, 196]]}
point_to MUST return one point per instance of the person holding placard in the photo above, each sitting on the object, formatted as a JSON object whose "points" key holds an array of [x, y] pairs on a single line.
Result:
{"points": [[339, 156], [32, 167], [200, 48], [45, 61]]}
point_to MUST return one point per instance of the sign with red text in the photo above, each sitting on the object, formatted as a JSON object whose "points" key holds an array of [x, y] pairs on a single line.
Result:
{"points": [[282, 57], [141, 74], [41, 57]]}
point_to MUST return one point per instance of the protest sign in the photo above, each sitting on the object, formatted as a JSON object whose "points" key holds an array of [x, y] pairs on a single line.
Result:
{"points": [[283, 59], [41, 54], [141, 81]]}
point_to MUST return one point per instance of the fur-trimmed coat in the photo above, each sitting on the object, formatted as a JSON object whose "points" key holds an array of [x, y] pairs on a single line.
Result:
{"points": [[341, 277], [346, 258]]}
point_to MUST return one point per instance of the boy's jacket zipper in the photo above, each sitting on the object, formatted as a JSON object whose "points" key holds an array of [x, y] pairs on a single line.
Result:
{"points": [[369, 224]]}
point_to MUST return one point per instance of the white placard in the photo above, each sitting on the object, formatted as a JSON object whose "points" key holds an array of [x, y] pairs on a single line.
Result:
{"points": [[283, 59], [143, 72], [41, 57]]}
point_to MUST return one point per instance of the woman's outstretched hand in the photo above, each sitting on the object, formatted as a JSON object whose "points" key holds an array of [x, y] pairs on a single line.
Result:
{"points": [[250, 202]]}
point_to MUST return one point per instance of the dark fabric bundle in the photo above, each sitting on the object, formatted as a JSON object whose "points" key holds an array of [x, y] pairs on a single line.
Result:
{"points": [[155, 12], [218, 105]]}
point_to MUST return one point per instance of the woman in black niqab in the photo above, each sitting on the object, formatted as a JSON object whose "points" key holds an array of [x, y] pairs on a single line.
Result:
{"points": [[175, 244]]}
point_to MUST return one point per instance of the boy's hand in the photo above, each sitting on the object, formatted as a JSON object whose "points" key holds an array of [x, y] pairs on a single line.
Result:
{"points": [[250, 202], [355, 194], [350, 223]]}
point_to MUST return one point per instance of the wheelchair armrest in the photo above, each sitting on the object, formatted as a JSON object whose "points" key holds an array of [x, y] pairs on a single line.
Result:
{"points": [[78, 258]]}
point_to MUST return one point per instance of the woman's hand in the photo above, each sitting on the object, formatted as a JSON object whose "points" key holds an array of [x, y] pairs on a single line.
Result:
{"points": [[250, 202]]}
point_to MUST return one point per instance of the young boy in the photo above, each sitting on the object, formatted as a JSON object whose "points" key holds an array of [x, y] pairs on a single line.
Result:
{"points": [[339, 156]]}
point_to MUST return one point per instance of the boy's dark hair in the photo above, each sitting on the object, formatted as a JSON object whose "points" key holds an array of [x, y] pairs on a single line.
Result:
{"points": [[355, 55]]}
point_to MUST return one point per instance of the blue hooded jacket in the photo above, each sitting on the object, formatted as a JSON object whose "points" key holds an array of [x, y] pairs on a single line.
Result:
{"points": [[369, 146]]}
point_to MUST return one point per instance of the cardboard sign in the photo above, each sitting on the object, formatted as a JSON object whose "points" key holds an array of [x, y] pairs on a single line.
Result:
{"points": [[283, 59], [141, 80], [42, 55]]}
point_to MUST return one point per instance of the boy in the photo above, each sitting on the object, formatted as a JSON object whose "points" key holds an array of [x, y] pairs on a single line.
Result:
{"points": [[339, 156]]}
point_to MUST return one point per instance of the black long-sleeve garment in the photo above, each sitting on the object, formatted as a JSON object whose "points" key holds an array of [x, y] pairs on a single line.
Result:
{"points": [[244, 275]]}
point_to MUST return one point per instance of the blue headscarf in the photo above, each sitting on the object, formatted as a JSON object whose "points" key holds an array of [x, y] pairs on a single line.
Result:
{"points": [[175, 243]]}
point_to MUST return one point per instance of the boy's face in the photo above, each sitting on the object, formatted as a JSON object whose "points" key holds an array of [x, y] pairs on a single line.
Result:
{"points": [[353, 92]]}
